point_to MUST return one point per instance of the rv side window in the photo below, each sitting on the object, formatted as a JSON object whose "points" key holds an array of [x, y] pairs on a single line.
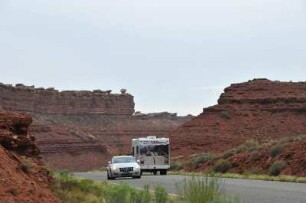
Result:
{"points": [[133, 151], [137, 150]]}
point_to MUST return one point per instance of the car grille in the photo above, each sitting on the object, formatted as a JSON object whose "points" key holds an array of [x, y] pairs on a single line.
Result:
{"points": [[126, 169]]}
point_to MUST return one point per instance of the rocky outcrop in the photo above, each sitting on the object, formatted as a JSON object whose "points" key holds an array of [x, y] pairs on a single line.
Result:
{"points": [[50, 101], [84, 142], [23, 177], [259, 109], [269, 96], [81, 130]]}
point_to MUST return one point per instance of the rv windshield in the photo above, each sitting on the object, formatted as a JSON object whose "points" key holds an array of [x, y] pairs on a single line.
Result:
{"points": [[154, 150]]}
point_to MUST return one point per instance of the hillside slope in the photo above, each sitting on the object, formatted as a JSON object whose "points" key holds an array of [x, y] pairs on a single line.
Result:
{"points": [[23, 177], [255, 111]]}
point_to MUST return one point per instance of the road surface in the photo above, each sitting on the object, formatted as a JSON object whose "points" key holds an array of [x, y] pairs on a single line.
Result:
{"points": [[248, 191]]}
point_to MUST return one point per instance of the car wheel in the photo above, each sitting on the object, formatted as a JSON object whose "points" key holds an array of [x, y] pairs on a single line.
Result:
{"points": [[109, 177]]}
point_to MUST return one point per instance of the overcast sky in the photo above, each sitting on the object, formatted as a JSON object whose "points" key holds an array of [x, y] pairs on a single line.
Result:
{"points": [[172, 55]]}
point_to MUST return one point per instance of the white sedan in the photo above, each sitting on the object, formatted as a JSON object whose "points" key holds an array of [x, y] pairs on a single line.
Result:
{"points": [[123, 166]]}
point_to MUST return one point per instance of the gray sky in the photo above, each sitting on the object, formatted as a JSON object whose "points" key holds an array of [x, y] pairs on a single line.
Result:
{"points": [[172, 55]]}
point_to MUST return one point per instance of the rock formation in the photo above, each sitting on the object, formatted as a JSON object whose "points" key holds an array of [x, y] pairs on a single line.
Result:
{"points": [[23, 177], [80, 130], [255, 111], [50, 101]]}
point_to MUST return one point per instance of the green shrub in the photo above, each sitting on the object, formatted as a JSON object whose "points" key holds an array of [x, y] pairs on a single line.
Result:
{"points": [[251, 143], [202, 190], [125, 193], [203, 158], [254, 155], [161, 194], [276, 150], [242, 148], [225, 114], [286, 139], [275, 168], [118, 193], [222, 166], [176, 166], [142, 196], [228, 154], [197, 189]]}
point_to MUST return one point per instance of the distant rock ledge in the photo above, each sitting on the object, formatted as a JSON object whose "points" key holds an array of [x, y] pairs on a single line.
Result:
{"points": [[29, 99]]}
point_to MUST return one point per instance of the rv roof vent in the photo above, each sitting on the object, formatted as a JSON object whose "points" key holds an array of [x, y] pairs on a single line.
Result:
{"points": [[151, 137]]}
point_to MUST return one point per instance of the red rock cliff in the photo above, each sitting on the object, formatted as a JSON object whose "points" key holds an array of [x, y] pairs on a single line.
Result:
{"points": [[23, 177], [51, 101], [259, 109], [80, 130]]}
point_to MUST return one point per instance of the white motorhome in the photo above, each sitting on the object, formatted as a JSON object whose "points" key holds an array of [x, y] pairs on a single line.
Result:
{"points": [[153, 154]]}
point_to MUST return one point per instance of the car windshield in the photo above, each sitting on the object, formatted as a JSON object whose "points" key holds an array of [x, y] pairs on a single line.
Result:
{"points": [[124, 160]]}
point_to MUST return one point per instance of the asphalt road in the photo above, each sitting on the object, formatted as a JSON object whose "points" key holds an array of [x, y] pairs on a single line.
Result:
{"points": [[248, 191]]}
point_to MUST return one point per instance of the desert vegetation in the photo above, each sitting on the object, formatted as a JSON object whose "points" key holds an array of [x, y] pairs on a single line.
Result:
{"points": [[70, 189], [254, 157], [203, 189], [222, 166], [193, 190], [275, 168], [197, 160], [276, 150]]}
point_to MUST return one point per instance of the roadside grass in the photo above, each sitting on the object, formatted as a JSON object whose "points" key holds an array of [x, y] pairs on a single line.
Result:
{"points": [[71, 190], [280, 178], [203, 190], [193, 190]]}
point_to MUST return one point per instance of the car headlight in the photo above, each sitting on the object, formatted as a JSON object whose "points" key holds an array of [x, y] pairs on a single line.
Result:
{"points": [[114, 168], [137, 167]]}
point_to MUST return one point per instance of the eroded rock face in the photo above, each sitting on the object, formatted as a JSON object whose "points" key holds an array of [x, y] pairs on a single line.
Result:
{"points": [[85, 142], [51, 101], [259, 109], [81, 130], [23, 177]]}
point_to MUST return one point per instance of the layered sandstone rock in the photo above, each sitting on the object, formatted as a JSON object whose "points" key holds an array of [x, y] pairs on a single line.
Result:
{"points": [[51, 101], [23, 177], [81, 130], [259, 109], [84, 142]]}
